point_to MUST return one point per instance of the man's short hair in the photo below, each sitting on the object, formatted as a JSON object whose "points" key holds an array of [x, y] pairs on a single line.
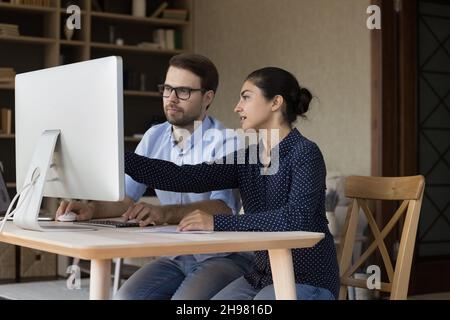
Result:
{"points": [[200, 66]]}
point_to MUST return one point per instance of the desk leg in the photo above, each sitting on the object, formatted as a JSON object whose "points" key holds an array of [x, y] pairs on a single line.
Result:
{"points": [[100, 282], [283, 274]]}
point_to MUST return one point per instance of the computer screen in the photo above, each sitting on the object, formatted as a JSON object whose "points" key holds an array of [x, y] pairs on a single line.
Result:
{"points": [[83, 103]]}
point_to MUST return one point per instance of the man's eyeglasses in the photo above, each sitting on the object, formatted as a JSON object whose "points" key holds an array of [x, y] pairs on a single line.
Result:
{"points": [[182, 93]]}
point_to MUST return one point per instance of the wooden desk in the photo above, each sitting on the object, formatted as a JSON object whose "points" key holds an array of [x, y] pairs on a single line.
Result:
{"points": [[103, 245]]}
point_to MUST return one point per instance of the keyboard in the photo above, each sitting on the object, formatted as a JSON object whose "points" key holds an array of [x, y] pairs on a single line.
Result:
{"points": [[109, 223]]}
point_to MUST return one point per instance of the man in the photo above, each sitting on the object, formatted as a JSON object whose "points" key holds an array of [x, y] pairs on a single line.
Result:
{"points": [[188, 91]]}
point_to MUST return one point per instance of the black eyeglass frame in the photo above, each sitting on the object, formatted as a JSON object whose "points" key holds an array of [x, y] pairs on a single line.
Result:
{"points": [[162, 87]]}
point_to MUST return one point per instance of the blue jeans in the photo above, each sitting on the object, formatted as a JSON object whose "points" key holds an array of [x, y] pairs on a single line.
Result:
{"points": [[240, 289], [184, 278]]}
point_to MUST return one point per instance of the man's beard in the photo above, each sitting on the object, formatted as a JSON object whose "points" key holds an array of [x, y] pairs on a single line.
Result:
{"points": [[185, 120]]}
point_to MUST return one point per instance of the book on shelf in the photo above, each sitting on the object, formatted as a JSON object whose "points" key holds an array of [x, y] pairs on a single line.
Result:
{"points": [[11, 30], [149, 45], [178, 40], [134, 80], [159, 37], [38, 3], [169, 39], [6, 121], [175, 14], [159, 10], [7, 75]]}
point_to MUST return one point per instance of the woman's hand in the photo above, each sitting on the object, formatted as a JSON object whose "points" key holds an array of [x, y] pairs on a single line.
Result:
{"points": [[196, 220]]}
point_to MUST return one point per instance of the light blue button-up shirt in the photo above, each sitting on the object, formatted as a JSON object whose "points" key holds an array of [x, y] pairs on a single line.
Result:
{"points": [[204, 145]]}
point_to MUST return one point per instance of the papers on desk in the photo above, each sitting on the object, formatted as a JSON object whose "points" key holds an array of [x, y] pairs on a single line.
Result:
{"points": [[168, 229]]}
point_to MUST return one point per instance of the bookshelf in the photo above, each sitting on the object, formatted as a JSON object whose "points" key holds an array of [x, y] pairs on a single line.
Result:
{"points": [[107, 28], [133, 49], [24, 7], [151, 21], [7, 136]]}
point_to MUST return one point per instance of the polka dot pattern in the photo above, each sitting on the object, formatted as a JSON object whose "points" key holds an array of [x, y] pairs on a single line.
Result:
{"points": [[292, 199]]}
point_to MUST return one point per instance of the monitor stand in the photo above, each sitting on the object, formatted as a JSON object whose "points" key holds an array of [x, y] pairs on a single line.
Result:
{"points": [[29, 204]]}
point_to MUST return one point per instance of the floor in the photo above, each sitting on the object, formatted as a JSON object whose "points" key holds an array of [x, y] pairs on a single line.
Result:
{"points": [[45, 290], [431, 296], [58, 290]]}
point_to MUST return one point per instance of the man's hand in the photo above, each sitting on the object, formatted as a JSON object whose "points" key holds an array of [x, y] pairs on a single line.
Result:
{"points": [[83, 210], [196, 220], [146, 214]]}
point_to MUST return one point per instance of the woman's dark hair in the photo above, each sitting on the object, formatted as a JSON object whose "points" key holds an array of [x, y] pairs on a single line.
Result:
{"points": [[275, 81], [200, 66]]}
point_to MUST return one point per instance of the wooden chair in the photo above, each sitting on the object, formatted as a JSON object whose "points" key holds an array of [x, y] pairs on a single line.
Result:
{"points": [[361, 189]]}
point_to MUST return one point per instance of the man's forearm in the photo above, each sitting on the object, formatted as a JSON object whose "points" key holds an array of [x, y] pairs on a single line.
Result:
{"points": [[103, 209], [174, 213]]}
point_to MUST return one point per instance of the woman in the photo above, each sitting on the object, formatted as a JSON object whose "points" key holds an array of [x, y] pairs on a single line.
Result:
{"points": [[291, 199]]}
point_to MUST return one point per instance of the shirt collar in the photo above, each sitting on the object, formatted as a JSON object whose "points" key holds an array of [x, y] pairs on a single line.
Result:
{"points": [[289, 141], [285, 145], [205, 125]]}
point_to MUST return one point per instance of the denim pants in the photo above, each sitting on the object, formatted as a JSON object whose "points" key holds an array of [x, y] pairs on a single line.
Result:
{"points": [[184, 278], [240, 289]]}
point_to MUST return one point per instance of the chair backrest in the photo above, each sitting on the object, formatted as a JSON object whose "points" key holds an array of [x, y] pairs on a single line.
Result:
{"points": [[359, 190]]}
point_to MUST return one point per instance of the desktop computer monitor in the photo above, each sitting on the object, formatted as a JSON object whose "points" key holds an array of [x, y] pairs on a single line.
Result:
{"points": [[69, 134]]}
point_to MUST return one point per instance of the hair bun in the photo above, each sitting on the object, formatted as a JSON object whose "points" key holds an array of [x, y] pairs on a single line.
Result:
{"points": [[304, 99]]}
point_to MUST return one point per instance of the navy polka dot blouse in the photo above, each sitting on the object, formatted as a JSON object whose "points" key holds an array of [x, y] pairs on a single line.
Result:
{"points": [[292, 199]]}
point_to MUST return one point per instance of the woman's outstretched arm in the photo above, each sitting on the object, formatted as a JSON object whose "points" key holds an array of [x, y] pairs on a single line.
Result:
{"points": [[165, 175]]}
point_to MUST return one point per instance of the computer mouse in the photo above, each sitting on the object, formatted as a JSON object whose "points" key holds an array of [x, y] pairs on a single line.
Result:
{"points": [[67, 217]]}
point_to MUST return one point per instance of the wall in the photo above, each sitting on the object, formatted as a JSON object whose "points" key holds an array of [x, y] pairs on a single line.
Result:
{"points": [[325, 43]]}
